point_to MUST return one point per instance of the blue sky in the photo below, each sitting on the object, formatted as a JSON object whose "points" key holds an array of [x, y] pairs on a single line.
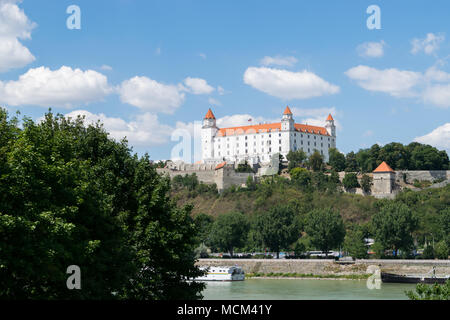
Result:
{"points": [[147, 68]]}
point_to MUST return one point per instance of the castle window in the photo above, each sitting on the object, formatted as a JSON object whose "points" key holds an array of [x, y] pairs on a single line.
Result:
{"points": [[246, 151], [262, 150], [246, 144], [308, 144], [314, 137], [246, 137], [279, 141], [270, 136], [314, 144], [302, 142], [279, 134], [280, 148], [328, 145], [270, 150], [321, 144], [321, 138]]}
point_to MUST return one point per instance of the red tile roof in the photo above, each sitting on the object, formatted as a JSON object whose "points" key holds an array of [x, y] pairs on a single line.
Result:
{"points": [[209, 114], [221, 165], [269, 127], [330, 118], [383, 167], [287, 110]]}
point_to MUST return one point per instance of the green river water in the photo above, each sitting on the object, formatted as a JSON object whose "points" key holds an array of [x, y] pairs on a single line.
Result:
{"points": [[303, 289]]}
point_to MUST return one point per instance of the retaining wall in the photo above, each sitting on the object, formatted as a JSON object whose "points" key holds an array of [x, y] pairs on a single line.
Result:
{"points": [[327, 266]]}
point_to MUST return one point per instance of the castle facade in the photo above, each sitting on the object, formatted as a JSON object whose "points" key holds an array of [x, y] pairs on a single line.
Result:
{"points": [[258, 143]]}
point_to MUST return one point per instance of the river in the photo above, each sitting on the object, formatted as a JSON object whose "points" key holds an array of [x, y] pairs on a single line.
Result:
{"points": [[303, 289]]}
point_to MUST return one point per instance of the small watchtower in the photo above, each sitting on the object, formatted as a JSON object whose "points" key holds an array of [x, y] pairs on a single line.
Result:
{"points": [[383, 179]]}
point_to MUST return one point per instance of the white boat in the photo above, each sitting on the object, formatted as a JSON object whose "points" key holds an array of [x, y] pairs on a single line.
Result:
{"points": [[222, 274]]}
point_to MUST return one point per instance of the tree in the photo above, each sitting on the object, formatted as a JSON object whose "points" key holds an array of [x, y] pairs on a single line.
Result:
{"points": [[203, 223], [326, 229], [351, 165], [430, 292], [350, 181], [441, 250], [229, 231], [366, 183], [70, 195], [277, 228], [354, 243], [336, 159], [301, 177], [393, 226], [316, 161], [295, 158]]}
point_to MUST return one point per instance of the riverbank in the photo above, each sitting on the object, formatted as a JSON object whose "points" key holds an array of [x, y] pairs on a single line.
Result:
{"points": [[323, 268]]}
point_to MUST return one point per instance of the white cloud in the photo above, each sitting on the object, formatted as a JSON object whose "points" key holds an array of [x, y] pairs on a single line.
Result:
{"points": [[64, 87], [214, 102], [278, 61], [105, 67], [197, 86], [438, 95], [14, 25], [432, 86], [221, 90], [371, 49], [151, 95], [143, 131], [439, 137], [397, 83], [288, 85], [428, 45]]}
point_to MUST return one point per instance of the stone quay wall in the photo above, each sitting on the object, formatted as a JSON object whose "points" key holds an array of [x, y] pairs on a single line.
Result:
{"points": [[329, 266]]}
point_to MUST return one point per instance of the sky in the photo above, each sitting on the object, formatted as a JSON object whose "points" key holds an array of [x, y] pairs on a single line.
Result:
{"points": [[149, 70]]}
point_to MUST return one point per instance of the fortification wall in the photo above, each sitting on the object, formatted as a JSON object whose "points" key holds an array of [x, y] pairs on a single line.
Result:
{"points": [[205, 176], [327, 267], [422, 175]]}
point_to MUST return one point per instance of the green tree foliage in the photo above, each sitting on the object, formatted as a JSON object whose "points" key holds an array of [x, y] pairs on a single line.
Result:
{"points": [[301, 177], [315, 161], [351, 165], [70, 195], [350, 181], [277, 228], [441, 250], [325, 228], [203, 222], [366, 183], [336, 160], [430, 292], [354, 243], [296, 158], [393, 226], [244, 167], [230, 231]]}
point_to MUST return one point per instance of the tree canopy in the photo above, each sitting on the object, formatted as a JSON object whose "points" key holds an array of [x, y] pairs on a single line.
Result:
{"points": [[70, 195]]}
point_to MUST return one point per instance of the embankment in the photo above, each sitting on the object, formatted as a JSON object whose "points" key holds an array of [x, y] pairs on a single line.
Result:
{"points": [[322, 267]]}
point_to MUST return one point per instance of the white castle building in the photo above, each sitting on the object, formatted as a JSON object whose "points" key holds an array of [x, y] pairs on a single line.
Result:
{"points": [[258, 143]]}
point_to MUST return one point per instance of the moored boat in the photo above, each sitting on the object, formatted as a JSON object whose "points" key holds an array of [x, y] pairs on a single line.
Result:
{"points": [[222, 273], [403, 278]]}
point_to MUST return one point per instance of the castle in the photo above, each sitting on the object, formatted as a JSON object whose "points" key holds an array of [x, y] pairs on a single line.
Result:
{"points": [[258, 143]]}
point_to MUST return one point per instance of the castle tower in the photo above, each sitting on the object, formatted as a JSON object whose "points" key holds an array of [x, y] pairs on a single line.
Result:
{"points": [[383, 179], [331, 128], [209, 130], [287, 121]]}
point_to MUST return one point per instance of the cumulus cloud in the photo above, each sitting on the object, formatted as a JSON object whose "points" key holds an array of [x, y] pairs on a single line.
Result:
{"points": [[150, 95], [64, 87], [397, 83], [278, 61], [286, 84], [432, 86], [439, 95], [429, 44], [214, 102], [371, 49], [14, 25], [439, 137], [143, 131], [197, 86]]}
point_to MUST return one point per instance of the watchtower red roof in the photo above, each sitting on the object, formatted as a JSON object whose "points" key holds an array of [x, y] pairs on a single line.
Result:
{"points": [[287, 110], [330, 118], [209, 114], [383, 167]]}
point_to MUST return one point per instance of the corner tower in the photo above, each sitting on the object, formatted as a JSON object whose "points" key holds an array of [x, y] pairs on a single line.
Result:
{"points": [[209, 131], [287, 121]]}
